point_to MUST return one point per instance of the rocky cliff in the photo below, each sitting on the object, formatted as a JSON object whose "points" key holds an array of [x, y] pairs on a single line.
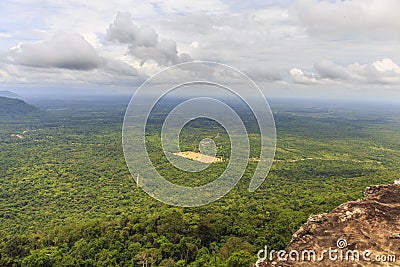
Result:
{"points": [[365, 232]]}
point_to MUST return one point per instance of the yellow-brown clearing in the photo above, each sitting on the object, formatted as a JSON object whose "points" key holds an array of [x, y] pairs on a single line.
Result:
{"points": [[198, 157]]}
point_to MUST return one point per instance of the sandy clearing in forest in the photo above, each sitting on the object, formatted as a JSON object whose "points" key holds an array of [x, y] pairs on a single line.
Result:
{"points": [[17, 136], [198, 157]]}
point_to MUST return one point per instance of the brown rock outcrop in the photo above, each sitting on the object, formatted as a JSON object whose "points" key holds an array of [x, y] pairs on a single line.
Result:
{"points": [[368, 228]]}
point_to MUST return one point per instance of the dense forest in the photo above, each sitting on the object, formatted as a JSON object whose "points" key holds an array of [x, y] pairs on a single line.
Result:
{"points": [[68, 199], [14, 110]]}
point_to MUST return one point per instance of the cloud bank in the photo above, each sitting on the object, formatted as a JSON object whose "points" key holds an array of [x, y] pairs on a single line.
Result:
{"points": [[322, 46], [144, 43], [68, 51], [383, 71], [63, 58], [363, 19]]}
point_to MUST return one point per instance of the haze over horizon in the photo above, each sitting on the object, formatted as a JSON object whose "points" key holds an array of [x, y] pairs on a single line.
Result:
{"points": [[296, 49]]}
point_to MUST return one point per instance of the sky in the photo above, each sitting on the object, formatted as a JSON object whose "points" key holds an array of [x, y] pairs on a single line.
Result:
{"points": [[294, 48]]}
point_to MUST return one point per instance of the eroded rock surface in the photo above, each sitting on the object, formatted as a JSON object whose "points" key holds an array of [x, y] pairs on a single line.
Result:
{"points": [[370, 224]]}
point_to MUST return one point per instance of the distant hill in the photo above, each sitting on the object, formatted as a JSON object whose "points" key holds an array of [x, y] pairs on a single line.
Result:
{"points": [[15, 110], [9, 94]]}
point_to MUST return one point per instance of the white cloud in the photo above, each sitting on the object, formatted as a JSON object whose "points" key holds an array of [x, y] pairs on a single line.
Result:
{"points": [[265, 75], [383, 71], [249, 40], [124, 30], [363, 19], [68, 51], [303, 77], [4, 76], [329, 70], [119, 68], [112, 73], [65, 58], [5, 35], [144, 43], [387, 65]]}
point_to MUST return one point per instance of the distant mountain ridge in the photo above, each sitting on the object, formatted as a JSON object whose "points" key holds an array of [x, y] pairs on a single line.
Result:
{"points": [[14, 110], [9, 94]]}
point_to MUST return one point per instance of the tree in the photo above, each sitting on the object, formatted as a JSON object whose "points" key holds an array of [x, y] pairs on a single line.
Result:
{"points": [[167, 263], [148, 257], [206, 232], [234, 244], [240, 258]]}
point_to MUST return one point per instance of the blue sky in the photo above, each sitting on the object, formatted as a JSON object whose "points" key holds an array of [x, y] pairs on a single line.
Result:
{"points": [[299, 48]]}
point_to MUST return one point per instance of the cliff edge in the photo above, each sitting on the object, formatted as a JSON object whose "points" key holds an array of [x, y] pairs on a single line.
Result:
{"points": [[365, 232]]}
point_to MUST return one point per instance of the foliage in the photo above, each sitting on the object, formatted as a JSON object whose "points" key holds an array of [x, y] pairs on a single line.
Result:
{"points": [[67, 198]]}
